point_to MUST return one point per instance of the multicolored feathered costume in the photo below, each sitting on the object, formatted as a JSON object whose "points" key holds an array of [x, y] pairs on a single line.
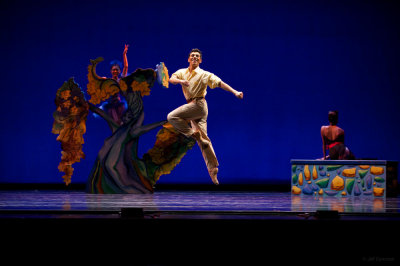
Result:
{"points": [[70, 125], [118, 169]]}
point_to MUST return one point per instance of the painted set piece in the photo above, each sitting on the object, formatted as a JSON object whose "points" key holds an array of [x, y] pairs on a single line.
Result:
{"points": [[344, 178]]}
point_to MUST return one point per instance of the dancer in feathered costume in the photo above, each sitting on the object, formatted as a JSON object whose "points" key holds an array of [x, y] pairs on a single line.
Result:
{"points": [[118, 169]]}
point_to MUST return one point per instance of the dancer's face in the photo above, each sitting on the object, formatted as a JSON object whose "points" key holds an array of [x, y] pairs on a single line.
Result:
{"points": [[194, 59], [115, 71]]}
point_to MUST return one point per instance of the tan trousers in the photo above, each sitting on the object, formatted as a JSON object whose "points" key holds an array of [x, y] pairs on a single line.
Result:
{"points": [[196, 113]]}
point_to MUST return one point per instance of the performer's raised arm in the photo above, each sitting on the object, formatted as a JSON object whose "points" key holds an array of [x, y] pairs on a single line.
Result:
{"points": [[125, 70]]}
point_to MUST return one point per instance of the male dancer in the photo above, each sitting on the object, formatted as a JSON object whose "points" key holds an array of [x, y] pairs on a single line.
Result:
{"points": [[194, 81]]}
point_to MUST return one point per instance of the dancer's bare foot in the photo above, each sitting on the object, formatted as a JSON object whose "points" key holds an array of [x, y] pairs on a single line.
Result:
{"points": [[213, 174], [197, 136]]}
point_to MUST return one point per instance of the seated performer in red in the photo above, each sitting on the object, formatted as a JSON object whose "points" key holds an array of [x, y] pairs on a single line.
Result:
{"points": [[333, 140], [194, 81]]}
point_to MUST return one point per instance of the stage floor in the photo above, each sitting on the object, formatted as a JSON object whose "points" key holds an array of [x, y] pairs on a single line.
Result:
{"points": [[198, 227], [198, 204]]}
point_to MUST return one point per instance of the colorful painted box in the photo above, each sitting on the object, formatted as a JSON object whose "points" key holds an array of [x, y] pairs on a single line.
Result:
{"points": [[340, 178]]}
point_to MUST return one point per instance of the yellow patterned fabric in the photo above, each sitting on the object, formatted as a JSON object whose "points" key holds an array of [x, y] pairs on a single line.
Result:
{"points": [[70, 125], [100, 89], [168, 150]]}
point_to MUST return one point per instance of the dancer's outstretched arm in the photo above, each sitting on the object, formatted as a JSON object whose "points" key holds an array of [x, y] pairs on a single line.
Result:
{"points": [[228, 88]]}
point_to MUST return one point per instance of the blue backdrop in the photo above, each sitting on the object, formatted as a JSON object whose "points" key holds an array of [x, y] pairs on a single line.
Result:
{"points": [[294, 61]]}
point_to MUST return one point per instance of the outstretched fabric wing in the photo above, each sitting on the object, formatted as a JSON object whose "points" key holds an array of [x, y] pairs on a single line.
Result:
{"points": [[99, 88], [70, 125]]}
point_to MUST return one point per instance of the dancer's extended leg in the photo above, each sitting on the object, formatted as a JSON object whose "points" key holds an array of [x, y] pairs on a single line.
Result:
{"points": [[196, 112], [181, 116], [208, 153]]}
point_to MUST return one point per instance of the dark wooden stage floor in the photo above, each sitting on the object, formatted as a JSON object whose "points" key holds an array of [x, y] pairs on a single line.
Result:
{"points": [[199, 227]]}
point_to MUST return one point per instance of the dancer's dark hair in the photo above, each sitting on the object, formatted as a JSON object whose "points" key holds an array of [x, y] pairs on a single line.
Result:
{"points": [[196, 50], [333, 117]]}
